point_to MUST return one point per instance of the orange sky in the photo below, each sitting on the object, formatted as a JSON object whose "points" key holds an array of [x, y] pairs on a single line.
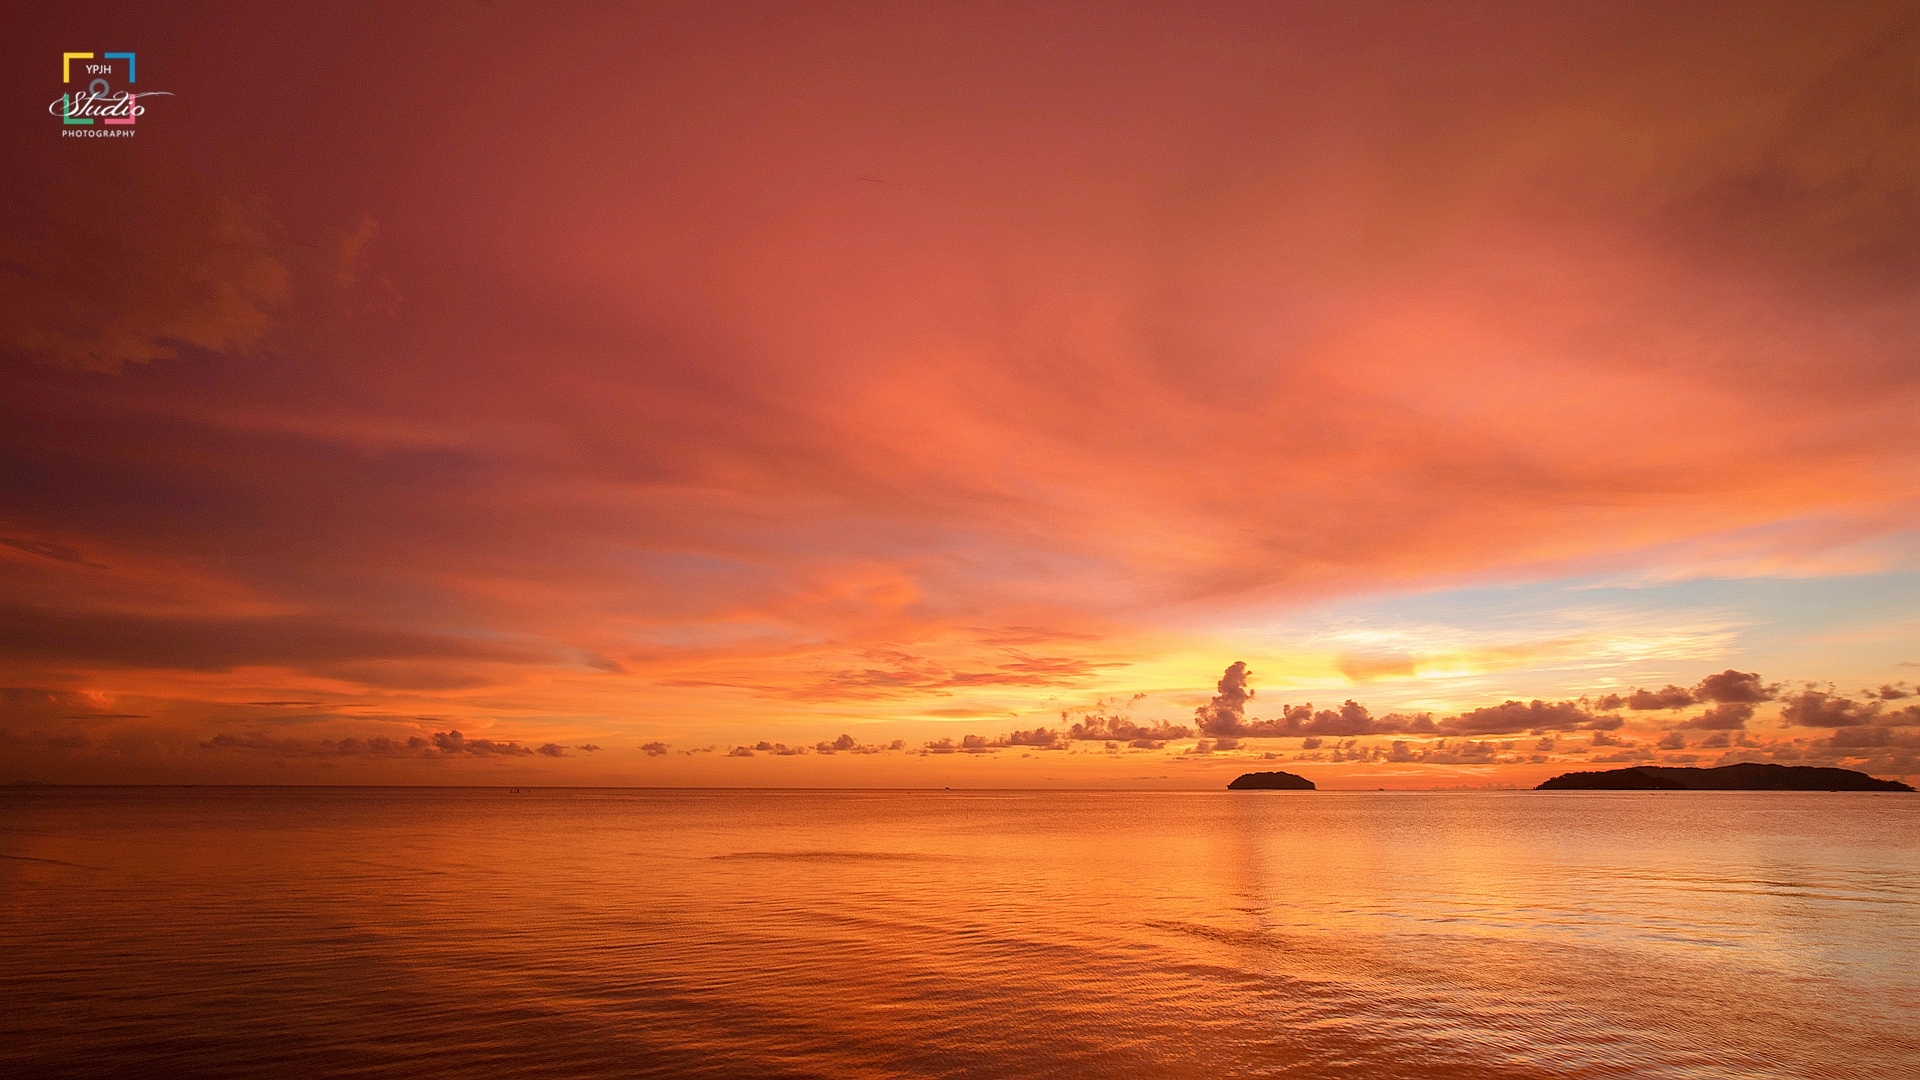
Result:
{"points": [[682, 382]]}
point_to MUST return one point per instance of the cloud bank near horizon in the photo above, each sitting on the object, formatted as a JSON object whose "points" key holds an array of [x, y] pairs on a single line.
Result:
{"points": [[1813, 725]]}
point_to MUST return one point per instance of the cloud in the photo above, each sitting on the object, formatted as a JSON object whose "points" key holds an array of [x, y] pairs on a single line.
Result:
{"points": [[1890, 691], [175, 264], [1871, 737], [551, 750], [1031, 671], [587, 748], [377, 746], [1224, 716], [1443, 752], [1039, 737], [452, 742], [774, 748], [655, 749], [740, 751], [847, 744], [1725, 717], [1667, 697], [1368, 668], [1817, 708], [980, 744], [1732, 687], [1353, 718], [1226, 713], [1511, 717], [1114, 731], [1103, 727], [47, 549], [312, 643], [897, 673], [1439, 752], [1672, 741]]}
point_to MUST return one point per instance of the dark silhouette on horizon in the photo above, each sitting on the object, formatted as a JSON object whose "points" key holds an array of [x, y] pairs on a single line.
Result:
{"points": [[1270, 781], [1748, 776]]}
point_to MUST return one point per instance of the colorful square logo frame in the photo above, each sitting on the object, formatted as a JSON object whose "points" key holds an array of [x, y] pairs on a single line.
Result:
{"points": [[97, 91]]}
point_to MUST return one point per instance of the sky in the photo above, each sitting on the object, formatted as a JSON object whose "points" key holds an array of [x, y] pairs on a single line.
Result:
{"points": [[866, 395]]}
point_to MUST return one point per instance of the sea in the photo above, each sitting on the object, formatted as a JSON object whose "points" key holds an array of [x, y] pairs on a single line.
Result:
{"points": [[488, 932]]}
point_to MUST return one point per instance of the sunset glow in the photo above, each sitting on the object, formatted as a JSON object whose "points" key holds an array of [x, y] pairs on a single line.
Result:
{"points": [[864, 397]]}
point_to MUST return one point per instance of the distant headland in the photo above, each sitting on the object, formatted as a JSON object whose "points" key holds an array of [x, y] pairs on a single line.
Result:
{"points": [[1270, 781], [1751, 776]]}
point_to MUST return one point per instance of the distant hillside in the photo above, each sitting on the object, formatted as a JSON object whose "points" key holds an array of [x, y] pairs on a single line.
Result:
{"points": [[1270, 781], [1751, 776]]}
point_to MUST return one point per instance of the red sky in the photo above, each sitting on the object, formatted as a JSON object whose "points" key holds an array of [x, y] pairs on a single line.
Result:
{"points": [[746, 376]]}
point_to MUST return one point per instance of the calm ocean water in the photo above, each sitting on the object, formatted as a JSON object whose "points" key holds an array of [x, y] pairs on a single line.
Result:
{"points": [[407, 932]]}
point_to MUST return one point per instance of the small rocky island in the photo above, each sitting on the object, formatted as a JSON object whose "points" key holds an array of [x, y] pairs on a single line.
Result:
{"points": [[1752, 776], [1270, 781]]}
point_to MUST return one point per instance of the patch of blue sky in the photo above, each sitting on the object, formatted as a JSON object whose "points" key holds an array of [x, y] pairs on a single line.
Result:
{"points": [[1587, 635]]}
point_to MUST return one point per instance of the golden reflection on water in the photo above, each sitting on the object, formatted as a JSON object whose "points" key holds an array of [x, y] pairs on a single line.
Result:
{"points": [[229, 932]]}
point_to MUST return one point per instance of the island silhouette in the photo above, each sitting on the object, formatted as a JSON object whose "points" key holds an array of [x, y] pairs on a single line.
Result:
{"points": [[1270, 781], [1749, 776]]}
